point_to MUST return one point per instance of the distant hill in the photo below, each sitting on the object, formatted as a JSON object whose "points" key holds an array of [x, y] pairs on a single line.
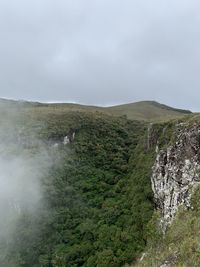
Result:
{"points": [[17, 103], [148, 111], [143, 110]]}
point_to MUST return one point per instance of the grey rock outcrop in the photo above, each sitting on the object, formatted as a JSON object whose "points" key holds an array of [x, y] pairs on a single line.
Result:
{"points": [[176, 172], [69, 138]]}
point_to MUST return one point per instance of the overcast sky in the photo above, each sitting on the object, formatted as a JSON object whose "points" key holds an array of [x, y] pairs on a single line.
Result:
{"points": [[101, 51]]}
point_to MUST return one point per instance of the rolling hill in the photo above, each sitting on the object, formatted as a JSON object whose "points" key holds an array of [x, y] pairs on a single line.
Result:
{"points": [[147, 111], [142, 111]]}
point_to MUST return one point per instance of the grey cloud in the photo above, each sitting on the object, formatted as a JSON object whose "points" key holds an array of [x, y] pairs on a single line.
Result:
{"points": [[101, 52]]}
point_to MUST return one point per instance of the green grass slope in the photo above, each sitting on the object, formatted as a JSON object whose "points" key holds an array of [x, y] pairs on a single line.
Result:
{"points": [[143, 111], [147, 111]]}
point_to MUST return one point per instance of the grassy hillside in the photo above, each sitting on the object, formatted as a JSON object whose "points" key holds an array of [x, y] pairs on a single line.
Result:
{"points": [[147, 111], [143, 111]]}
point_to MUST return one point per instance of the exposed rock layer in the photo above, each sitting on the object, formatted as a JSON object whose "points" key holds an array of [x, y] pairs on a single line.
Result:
{"points": [[176, 172]]}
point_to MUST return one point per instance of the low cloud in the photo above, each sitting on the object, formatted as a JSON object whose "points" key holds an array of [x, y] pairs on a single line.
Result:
{"points": [[24, 162]]}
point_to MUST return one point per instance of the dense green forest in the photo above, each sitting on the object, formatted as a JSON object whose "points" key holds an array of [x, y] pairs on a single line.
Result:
{"points": [[96, 197]]}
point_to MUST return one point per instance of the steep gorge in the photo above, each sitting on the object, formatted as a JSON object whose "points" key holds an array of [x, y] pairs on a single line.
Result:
{"points": [[106, 176], [96, 197]]}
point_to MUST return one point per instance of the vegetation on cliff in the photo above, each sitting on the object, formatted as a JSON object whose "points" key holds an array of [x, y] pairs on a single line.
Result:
{"points": [[179, 246]]}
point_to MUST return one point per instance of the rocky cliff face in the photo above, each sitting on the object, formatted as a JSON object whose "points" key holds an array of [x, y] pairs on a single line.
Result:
{"points": [[176, 171]]}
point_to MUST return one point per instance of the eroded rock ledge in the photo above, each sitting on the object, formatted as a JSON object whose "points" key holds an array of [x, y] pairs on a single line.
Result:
{"points": [[176, 172]]}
